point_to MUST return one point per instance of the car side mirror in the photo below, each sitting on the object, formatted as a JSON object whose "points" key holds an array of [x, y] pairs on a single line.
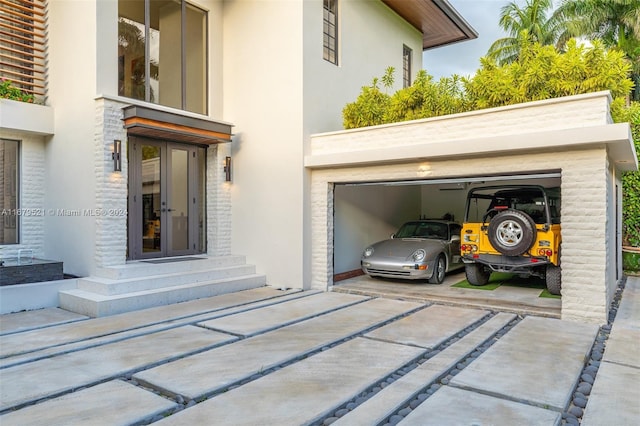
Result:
{"points": [[392, 236], [455, 238]]}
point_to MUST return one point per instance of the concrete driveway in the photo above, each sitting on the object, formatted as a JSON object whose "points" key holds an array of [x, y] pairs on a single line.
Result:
{"points": [[267, 356]]}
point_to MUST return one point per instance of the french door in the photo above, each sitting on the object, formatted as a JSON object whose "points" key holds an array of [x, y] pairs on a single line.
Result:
{"points": [[166, 199]]}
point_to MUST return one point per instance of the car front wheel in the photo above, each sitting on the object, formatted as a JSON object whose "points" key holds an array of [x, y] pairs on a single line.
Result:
{"points": [[439, 271], [476, 274]]}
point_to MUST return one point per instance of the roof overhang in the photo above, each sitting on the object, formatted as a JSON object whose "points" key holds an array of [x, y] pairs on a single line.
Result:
{"points": [[439, 23], [151, 123]]}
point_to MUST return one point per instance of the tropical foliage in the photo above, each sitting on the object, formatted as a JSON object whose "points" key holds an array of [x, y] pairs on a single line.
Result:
{"points": [[530, 23], [615, 22], [541, 72], [630, 180], [9, 91]]}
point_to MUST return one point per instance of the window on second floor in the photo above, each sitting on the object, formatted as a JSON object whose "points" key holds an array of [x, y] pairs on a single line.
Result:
{"points": [[407, 56], [162, 53], [330, 31]]}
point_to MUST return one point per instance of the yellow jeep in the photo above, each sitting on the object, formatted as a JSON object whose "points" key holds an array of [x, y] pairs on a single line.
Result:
{"points": [[512, 228]]}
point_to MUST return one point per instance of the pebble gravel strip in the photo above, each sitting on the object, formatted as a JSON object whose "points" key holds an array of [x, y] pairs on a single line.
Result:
{"points": [[429, 390], [573, 415]]}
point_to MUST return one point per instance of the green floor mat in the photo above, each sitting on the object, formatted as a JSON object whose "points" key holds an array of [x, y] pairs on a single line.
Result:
{"points": [[502, 278], [495, 280]]}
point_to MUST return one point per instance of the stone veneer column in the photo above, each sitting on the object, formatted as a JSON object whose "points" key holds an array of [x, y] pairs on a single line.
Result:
{"points": [[218, 201], [111, 187]]}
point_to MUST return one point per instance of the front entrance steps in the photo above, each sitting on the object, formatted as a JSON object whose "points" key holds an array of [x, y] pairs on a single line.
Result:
{"points": [[145, 284]]}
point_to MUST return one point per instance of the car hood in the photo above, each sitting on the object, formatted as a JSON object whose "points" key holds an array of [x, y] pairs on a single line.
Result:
{"points": [[403, 247]]}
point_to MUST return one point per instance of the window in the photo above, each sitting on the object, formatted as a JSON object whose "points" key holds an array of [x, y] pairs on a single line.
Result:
{"points": [[9, 213], [330, 31], [407, 55], [22, 45], [162, 53]]}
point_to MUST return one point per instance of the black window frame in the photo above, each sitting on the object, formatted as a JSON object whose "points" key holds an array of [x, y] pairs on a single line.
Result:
{"points": [[407, 58], [330, 31]]}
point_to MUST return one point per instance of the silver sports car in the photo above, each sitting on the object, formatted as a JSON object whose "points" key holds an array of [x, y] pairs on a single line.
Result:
{"points": [[422, 249]]}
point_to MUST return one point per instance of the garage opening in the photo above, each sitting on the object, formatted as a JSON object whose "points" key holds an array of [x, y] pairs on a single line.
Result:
{"points": [[368, 212]]}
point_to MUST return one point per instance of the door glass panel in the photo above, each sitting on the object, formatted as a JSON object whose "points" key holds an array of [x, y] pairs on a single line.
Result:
{"points": [[179, 204], [151, 198]]}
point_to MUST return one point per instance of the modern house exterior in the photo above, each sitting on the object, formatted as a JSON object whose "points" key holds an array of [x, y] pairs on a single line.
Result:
{"points": [[182, 149], [178, 128]]}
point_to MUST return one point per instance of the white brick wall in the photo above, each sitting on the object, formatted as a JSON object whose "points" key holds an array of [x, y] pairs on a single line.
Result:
{"points": [[587, 186], [32, 170], [111, 187], [218, 202]]}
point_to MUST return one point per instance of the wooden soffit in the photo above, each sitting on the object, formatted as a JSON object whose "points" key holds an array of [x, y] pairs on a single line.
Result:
{"points": [[439, 23], [151, 123]]}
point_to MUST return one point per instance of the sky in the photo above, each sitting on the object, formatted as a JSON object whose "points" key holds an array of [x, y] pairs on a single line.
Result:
{"points": [[464, 58]]}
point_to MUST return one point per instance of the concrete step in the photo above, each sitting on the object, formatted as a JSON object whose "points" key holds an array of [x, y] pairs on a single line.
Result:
{"points": [[157, 280], [99, 305], [142, 268]]}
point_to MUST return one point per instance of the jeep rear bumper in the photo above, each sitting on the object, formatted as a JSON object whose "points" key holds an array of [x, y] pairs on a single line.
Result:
{"points": [[513, 264]]}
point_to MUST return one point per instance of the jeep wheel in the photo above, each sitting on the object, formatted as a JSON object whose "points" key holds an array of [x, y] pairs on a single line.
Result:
{"points": [[476, 274], [439, 270], [554, 279], [512, 232]]}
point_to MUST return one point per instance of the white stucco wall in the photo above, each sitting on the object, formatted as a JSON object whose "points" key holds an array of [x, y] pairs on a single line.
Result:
{"points": [[70, 183], [278, 90], [522, 146]]}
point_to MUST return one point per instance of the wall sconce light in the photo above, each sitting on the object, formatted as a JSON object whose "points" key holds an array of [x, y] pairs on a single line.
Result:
{"points": [[227, 169], [116, 156]]}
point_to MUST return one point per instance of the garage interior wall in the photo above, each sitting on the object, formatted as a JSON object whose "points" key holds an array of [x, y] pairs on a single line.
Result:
{"points": [[366, 214]]}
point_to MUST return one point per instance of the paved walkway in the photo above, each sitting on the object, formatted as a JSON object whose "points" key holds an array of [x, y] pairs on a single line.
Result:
{"points": [[267, 356]]}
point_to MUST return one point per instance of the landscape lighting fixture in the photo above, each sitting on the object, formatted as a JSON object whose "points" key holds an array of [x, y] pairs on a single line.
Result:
{"points": [[116, 156], [227, 169]]}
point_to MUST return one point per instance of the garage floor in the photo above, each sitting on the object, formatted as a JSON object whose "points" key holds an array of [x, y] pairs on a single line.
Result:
{"points": [[518, 299]]}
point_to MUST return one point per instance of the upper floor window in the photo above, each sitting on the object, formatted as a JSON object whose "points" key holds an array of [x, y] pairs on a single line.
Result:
{"points": [[23, 44], [330, 31], [407, 55], [162, 53], [9, 173]]}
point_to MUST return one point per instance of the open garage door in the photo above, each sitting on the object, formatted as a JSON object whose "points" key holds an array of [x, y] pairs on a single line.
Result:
{"points": [[366, 212]]}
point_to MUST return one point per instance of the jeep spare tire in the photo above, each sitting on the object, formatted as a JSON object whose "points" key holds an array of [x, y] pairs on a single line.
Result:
{"points": [[512, 232]]}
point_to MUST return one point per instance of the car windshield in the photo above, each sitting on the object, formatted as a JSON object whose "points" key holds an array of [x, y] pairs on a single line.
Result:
{"points": [[433, 230]]}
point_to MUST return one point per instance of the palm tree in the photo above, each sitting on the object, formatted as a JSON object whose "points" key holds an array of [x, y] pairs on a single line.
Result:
{"points": [[534, 21], [615, 22]]}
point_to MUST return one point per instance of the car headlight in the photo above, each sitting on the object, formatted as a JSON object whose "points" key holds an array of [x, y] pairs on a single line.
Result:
{"points": [[419, 255], [368, 251]]}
